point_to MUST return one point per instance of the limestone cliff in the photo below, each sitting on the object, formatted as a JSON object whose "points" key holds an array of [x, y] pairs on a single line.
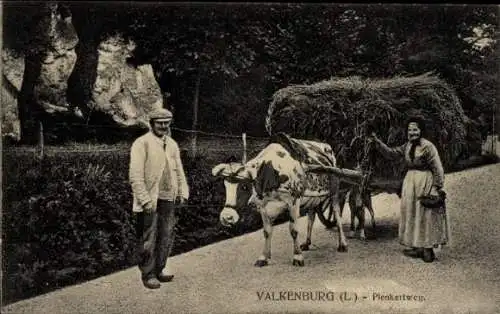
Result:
{"points": [[121, 89], [12, 80], [58, 60], [74, 75]]}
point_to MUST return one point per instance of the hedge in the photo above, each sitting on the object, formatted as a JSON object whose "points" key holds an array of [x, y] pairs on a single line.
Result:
{"points": [[70, 218]]}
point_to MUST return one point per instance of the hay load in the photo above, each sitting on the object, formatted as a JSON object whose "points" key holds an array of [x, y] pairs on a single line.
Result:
{"points": [[341, 111]]}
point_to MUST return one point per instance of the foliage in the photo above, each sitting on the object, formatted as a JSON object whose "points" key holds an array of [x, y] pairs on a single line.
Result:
{"points": [[70, 218], [285, 44]]}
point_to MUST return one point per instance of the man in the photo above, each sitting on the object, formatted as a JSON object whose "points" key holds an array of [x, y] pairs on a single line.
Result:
{"points": [[158, 185]]}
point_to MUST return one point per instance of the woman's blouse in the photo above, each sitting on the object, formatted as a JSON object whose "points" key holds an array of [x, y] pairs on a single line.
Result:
{"points": [[426, 158]]}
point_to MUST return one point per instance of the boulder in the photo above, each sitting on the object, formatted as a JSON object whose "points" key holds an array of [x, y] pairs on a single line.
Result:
{"points": [[125, 91], [95, 76], [12, 80], [58, 60]]}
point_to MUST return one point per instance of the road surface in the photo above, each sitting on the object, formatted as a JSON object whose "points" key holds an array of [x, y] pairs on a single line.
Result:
{"points": [[370, 277]]}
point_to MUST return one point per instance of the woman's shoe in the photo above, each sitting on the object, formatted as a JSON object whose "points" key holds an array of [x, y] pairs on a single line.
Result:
{"points": [[413, 252], [429, 256]]}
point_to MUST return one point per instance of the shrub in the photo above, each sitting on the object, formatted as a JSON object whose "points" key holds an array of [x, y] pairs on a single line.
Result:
{"points": [[70, 218], [65, 223]]}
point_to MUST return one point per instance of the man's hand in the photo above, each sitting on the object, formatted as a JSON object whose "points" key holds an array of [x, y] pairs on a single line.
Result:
{"points": [[148, 207], [179, 200]]}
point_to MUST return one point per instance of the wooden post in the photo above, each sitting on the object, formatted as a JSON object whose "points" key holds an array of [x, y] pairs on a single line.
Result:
{"points": [[40, 140], [196, 100], [494, 136], [244, 137]]}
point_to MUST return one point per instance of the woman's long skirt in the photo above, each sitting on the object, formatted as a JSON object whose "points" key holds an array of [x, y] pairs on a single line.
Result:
{"points": [[421, 227]]}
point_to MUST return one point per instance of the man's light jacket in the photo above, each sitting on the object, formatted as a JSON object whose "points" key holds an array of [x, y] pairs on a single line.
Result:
{"points": [[148, 160]]}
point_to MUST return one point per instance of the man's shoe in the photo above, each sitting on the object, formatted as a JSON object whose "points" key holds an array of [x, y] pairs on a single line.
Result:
{"points": [[151, 283], [165, 278]]}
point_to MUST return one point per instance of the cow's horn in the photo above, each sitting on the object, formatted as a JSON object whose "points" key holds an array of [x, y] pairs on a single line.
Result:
{"points": [[217, 170], [249, 175]]}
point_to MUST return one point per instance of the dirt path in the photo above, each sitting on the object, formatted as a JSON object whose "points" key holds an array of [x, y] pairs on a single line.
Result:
{"points": [[221, 278]]}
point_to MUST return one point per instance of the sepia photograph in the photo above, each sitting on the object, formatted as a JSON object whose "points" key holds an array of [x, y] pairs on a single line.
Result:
{"points": [[249, 157]]}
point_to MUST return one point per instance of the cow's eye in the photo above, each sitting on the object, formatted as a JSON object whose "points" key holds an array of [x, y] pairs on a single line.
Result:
{"points": [[244, 188]]}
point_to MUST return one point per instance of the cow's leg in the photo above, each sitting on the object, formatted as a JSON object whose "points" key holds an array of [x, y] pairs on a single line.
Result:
{"points": [[352, 208], [342, 199], [334, 193], [298, 258], [352, 229], [361, 218], [268, 232], [369, 205], [311, 216], [342, 240]]}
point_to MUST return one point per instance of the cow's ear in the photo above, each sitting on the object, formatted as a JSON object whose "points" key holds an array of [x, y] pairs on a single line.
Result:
{"points": [[218, 170], [283, 178]]}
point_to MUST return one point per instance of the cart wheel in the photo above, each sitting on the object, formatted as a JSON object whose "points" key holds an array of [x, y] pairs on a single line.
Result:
{"points": [[326, 217]]}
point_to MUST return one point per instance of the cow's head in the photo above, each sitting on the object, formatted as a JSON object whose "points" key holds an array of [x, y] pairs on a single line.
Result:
{"points": [[241, 185], [239, 188]]}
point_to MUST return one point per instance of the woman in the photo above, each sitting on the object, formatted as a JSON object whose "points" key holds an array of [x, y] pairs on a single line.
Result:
{"points": [[421, 229]]}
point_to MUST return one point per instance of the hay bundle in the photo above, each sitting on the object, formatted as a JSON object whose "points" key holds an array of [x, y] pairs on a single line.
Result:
{"points": [[341, 111]]}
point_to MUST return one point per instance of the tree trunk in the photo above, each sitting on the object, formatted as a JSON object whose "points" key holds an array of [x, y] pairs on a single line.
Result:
{"points": [[194, 135], [28, 110]]}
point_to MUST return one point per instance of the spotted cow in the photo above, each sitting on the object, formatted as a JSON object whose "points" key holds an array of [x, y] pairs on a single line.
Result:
{"points": [[276, 181]]}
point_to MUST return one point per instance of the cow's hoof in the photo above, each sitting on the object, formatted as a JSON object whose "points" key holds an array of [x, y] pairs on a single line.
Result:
{"points": [[342, 248], [351, 234], [304, 247], [362, 238], [297, 262], [261, 263]]}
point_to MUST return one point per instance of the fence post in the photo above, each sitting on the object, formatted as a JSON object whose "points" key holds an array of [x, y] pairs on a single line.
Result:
{"points": [[494, 136], [40, 140], [196, 101], [244, 137]]}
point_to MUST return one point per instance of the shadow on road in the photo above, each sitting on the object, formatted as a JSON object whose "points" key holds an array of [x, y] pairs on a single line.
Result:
{"points": [[384, 230]]}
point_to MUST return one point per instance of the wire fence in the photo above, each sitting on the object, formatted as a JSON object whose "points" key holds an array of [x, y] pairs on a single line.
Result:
{"points": [[204, 142]]}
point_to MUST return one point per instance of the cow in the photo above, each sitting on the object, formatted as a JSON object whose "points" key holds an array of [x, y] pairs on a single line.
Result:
{"points": [[276, 181], [357, 201]]}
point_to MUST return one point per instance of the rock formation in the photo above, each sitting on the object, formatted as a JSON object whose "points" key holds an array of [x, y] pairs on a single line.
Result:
{"points": [[95, 76], [12, 80], [58, 61], [125, 91]]}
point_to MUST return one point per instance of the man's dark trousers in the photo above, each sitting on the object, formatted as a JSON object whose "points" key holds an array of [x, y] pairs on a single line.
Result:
{"points": [[157, 230]]}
